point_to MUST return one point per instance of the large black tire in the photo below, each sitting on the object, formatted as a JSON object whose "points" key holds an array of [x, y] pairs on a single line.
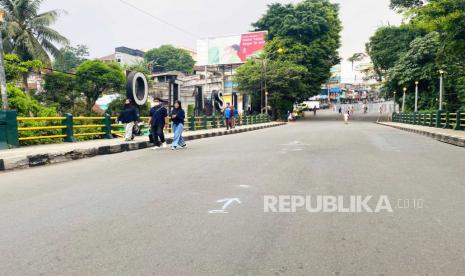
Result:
{"points": [[137, 88]]}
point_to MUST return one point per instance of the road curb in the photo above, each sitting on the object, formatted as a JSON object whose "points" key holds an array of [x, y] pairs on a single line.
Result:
{"points": [[29, 161], [453, 140]]}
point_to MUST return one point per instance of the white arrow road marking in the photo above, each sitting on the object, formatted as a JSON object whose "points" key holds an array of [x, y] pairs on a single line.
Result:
{"points": [[227, 202]]}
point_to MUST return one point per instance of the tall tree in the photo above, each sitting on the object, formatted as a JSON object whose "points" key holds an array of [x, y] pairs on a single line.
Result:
{"points": [[170, 58], [309, 33], [285, 82], [418, 64], [70, 58], [94, 78], [356, 58], [28, 33]]}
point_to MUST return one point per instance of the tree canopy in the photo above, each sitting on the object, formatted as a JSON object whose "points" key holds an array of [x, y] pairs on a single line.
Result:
{"points": [[170, 58], [69, 58], [15, 68], [387, 45], [28, 33], [432, 39], [60, 90], [403, 4]]}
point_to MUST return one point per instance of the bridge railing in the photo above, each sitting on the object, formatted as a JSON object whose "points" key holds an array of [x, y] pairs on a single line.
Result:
{"points": [[438, 119], [15, 131]]}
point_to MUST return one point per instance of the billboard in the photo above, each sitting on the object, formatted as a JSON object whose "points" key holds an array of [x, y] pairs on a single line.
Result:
{"points": [[230, 49]]}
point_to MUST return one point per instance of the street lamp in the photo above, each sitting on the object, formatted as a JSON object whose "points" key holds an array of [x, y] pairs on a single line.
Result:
{"points": [[264, 63], [266, 102], [2, 68], [441, 87], [416, 96], [265, 93], [403, 100]]}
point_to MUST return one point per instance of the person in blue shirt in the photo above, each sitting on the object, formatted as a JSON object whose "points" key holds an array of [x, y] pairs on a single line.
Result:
{"points": [[157, 119], [228, 114], [177, 117]]}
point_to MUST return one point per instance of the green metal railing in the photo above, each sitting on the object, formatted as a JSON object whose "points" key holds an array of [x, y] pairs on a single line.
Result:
{"points": [[26, 130], [438, 119]]}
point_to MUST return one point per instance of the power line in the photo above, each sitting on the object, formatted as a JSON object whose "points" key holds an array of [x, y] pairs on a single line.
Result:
{"points": [[159, 19]]}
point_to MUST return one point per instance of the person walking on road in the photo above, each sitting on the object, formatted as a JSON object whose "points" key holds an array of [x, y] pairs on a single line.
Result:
{"points": [[228, 114], [314, 111], [157, 121], [128, 116], [177, 117], [340, 110], [346, 117]]}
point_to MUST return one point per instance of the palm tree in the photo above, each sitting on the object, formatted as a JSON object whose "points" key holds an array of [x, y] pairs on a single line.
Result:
{"points": [[28, 33], [355, 58]]}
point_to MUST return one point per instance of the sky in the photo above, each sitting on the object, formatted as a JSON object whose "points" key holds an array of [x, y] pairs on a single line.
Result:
{"points": [[104, 25]]}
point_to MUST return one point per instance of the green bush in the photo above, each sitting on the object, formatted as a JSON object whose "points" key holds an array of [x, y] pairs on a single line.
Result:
{"points": [[27, 106]]}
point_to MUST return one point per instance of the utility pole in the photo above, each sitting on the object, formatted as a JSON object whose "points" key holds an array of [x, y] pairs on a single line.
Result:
{"points": [[441, 87], [416, 96], [2, 67]]}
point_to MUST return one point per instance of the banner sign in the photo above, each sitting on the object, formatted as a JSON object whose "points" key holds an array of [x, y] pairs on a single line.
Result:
{"points": [[231, 49]]}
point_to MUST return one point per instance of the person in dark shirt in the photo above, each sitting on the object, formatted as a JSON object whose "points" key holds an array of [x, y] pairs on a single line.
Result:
{"points": [[128, 116], [157, 120], [177, 117]]}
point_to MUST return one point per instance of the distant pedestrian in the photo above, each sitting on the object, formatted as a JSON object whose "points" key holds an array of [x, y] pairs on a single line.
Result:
{"points": [[340, 110], [228, 114], [346, 117], [233, 116], [314, 111], [128, 116], [157, 120], [177, 117], [236, 116], [290, 116]]}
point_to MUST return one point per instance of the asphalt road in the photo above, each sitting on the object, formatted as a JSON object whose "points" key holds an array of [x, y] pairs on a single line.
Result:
{"points": [[156, 213]]}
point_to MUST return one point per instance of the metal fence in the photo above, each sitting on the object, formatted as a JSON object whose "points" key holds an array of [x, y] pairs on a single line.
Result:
{"points": [[36, 130], [439, 119]]}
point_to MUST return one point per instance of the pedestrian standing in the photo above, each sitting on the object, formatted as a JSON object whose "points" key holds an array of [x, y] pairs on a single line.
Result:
{"points": [[157, 120], [314, 111], [227, 116], [340, 110], [235, 117], [128, 116], [177, 117]]}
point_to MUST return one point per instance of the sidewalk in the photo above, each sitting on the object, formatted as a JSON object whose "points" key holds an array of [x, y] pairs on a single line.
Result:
{"points": [[32, 156], [454, 137]]}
